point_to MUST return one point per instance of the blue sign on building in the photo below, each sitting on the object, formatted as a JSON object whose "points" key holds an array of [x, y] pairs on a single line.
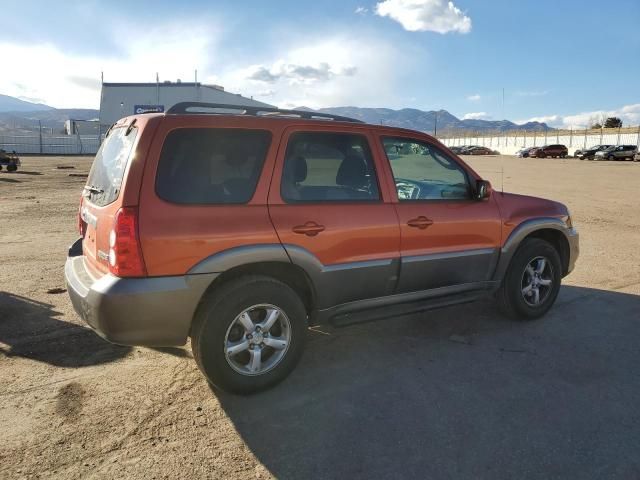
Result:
{"points": [[147, 109]]}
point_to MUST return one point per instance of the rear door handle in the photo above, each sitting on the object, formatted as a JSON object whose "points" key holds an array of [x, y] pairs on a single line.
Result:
{"points": [[420, 222], [311, 229]]}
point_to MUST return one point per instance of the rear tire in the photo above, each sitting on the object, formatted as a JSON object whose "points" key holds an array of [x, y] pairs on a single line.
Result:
{"points": [[12, 168], [219, 334], [527, 273]]}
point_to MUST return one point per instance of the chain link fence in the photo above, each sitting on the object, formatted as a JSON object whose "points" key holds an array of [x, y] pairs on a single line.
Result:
{"points": [[50, 144]]}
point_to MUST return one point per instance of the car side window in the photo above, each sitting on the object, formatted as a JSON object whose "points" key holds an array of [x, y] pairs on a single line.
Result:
{"points": [[423, 172], [328, 167]]}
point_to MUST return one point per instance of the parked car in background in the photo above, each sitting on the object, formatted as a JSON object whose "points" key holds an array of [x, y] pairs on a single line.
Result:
{"points": [[620, 152], [590, 153], [480, 151], [242, 230], [9, 160], [636, 157], [552, 151], [464, 150], [456, 150], [524, 152]]}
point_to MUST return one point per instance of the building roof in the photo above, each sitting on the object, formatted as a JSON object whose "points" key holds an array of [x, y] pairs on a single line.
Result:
{"points": [[217, 88], [161, 84]]}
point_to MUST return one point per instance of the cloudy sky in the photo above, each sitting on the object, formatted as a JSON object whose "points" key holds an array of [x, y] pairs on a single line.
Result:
{"points": [[557, 61]]}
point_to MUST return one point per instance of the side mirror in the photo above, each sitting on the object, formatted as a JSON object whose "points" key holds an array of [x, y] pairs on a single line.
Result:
{"points": [[483, 189]]}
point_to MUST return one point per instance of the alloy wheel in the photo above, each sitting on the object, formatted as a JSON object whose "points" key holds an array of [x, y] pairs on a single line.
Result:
{"points": [[537, 281], [257, 340]]}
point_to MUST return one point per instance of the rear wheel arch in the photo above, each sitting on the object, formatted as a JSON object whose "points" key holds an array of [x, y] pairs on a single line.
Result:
{"points": [[289, 274]]}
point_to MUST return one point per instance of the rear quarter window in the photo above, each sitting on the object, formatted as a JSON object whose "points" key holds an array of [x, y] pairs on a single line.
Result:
{"points": [[107, 171], [211, 165]]}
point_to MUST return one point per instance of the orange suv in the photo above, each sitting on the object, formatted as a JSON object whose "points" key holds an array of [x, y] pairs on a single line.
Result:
{"points": [[240, 227]]}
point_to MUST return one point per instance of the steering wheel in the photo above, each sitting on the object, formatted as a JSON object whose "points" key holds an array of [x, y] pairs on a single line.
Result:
{"points": [[409, 189]]}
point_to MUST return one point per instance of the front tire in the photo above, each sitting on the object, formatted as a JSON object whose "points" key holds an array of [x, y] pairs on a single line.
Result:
{"points": [[532, 282], [249, 334]]}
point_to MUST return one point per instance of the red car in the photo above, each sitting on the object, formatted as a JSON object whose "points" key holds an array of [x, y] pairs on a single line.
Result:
{"points": [[239, 230], [552, 151]]}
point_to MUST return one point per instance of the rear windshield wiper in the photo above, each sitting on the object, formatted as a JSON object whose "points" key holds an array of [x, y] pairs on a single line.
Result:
{"points": [[89, 189]]}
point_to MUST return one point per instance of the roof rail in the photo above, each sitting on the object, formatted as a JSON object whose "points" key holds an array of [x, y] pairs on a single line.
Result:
{"points": [[185, 107]]}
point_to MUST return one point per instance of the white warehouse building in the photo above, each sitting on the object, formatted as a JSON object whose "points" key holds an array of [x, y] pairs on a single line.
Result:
{"points": [[123, 99]]}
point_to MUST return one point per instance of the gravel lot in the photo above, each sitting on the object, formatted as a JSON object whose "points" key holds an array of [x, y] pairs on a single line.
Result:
{"points": [[457, 393]]}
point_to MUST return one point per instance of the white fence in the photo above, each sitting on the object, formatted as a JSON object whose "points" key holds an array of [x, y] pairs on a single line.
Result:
{"points": [[510, 143], [34, 143], [507, 143]]}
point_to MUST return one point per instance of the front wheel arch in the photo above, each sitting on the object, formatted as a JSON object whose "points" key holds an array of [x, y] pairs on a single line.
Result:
{"points": [[550, 229]]}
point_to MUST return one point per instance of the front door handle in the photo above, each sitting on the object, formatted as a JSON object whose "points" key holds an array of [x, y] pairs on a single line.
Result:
{"points": [[420, 222], [311, 229]]}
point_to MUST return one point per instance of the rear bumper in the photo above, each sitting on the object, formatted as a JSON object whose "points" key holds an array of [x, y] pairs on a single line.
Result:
{"points": [[153, 311]]}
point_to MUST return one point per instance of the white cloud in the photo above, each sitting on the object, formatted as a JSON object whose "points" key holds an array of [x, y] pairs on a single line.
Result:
{"points": [[476, 116], [548, 119], [324, 71], [438, 16], [361, 10], [629, 114], [474, 98], [321, 70], [44, 71]]}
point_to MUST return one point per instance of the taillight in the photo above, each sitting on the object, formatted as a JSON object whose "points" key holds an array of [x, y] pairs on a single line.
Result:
{"points": [[125, 254], [82, 226]]}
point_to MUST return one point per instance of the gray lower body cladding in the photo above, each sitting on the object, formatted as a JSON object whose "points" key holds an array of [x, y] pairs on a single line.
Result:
{"points": [[136, 311], [158, 311]]}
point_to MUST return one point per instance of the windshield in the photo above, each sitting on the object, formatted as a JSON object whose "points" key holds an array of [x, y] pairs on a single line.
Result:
{"points": [[105, 178]]}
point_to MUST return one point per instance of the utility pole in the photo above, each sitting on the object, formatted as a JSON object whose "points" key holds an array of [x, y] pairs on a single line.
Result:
{"points": [[435, 125]]}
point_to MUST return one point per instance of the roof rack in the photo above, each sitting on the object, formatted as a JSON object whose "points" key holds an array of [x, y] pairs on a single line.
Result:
{"points": [[186, 107]]}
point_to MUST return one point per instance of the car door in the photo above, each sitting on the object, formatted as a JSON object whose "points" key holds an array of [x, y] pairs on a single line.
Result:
{"points": [[334, 217], [447, 238]]}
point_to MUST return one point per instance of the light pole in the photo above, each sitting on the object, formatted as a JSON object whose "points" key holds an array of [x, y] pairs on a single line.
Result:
{"points": [[435, 125]]}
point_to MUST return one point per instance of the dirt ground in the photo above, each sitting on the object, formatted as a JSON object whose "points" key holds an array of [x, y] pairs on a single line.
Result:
{"points": [[457, 393]]}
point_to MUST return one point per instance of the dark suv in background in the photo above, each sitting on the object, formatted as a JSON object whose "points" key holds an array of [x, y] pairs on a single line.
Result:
{"points": [[620, 152], [552, 151], [590, 153]]}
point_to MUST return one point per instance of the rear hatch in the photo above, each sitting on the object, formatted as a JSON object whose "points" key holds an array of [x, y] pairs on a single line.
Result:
{"points": [[101, 197]]}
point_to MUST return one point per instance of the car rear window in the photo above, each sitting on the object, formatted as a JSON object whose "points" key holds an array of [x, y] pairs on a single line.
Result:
{"points": [[211, 165], [105, 178]]}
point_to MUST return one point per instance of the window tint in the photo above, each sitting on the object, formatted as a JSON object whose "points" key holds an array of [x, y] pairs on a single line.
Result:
{"points": [[322, 167], [423, 172], [210, 166], [109, 165]]}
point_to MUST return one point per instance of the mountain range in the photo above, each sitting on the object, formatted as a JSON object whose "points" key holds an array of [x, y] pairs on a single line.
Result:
{"points": [[21, 114], [13, 104], [426, 120]]}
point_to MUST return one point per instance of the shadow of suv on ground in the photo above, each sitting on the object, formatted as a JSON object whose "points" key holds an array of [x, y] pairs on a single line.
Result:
{"points": [[30, 330], [459, 393]]}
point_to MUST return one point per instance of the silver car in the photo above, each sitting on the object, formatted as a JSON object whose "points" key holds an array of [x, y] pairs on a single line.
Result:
{"points": [[620, 152]]}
